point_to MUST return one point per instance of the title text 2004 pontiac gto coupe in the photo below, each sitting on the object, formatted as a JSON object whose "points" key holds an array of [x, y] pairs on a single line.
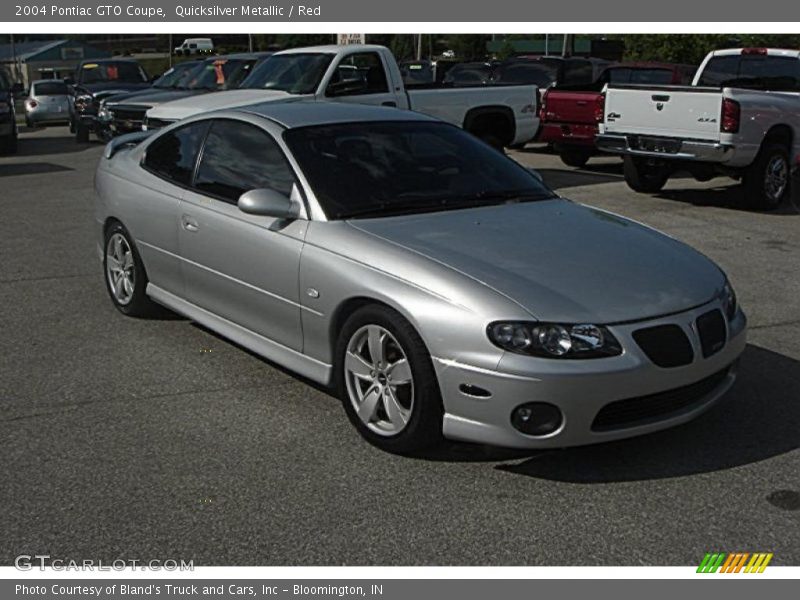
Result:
{"points": [[438, 285]]}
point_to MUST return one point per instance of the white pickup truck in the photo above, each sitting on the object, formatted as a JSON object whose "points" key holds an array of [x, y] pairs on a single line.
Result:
{"points": [[501, 115], [740, 117]]}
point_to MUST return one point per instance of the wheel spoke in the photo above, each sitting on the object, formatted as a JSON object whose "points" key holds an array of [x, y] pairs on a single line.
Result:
{"points": [[395, 412], [118, 285], [127, 261], [366, 410], [400, 372], [358, 366], [113, 263], [127, 285], [118, 248], [375, 340]]}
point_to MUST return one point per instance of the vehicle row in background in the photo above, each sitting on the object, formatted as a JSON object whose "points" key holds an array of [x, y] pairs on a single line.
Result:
{"points": [[740, 118], [571, 112]]}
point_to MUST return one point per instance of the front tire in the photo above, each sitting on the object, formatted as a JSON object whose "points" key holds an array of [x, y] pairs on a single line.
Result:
{"points": [[643, 177], [125, 277], [386, 381], [767, 182]]}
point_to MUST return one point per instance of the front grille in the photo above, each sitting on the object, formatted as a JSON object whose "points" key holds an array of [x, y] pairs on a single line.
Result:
{"points": [[711, 330], [666, 345], [127, 118], [656, 407]]}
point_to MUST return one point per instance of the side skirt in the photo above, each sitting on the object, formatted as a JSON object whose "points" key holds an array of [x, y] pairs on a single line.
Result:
{"points": [[278, 353]]}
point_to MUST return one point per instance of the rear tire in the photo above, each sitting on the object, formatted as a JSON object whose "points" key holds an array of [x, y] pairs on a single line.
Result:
{"points": [[767, 182], [81, 133], [575, 156], [124, 274], [419, 424], [644, 178]]}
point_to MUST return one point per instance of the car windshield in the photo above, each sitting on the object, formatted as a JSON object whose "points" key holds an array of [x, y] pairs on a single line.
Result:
{"points": [[375, 169], [178, 76], [468, 74], [50, 88], [296, 73], [124, 72], [220, 74], [540, 74]]}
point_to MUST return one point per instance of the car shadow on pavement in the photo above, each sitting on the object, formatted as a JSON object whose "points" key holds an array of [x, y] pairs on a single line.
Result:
{"points": [[30, 168], [729, 196], [33, 145], [758, 420]]}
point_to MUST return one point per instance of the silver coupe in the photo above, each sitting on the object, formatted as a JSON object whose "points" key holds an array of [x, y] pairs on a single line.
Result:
{"points": [[438, 286]]}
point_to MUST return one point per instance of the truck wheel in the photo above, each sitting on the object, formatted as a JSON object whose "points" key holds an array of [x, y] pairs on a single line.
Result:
{"points": [[8, 144], [644, 178], [81, 133], [575, 156], [768, 181]]}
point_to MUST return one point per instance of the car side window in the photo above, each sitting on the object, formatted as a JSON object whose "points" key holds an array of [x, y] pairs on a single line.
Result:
{"points": [[719, 70], [361, 73], [173, 155], [777, 73], [239, 157]]}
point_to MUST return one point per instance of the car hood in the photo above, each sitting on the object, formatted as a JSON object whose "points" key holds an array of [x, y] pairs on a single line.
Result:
{"points": [[108, 88], [180, 109], [152, 97], [561, 261]]}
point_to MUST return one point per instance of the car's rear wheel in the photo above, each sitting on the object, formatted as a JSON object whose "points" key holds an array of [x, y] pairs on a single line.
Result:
{"points": [[575, 156], [386, 381], [768, 180], [126, 279], [643, 177]]}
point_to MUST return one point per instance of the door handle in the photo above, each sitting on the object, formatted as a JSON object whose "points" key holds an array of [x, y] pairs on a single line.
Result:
{"points": [[389, 103], [189, 224]]}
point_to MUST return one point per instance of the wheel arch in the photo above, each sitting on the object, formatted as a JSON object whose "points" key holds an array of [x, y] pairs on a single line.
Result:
{"points": [[779, 134], [497, 119]]}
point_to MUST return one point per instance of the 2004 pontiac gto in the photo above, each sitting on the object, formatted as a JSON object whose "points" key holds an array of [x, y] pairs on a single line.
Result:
{"points": [[441, 288]]}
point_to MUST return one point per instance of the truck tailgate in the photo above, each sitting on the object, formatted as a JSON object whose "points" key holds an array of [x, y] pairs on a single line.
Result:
{"points": [[668, 111], [571, 107]]}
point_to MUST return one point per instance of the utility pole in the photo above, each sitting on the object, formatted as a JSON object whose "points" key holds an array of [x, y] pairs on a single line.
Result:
{"points": [[249, 42], [419, 47], [14, 59], [169, 50]]}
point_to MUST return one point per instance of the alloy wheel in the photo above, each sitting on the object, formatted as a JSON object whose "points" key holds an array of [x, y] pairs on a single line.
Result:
{"points": [[379, 381], [120, 270], [776, 178]]}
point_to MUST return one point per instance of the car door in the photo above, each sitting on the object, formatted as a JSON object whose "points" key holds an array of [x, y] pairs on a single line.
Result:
{"points": [[361, 78], [168, 165], [241, 267]]}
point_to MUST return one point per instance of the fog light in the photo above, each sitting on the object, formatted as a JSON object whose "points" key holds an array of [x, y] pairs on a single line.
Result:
{"points": [[536, 418]]}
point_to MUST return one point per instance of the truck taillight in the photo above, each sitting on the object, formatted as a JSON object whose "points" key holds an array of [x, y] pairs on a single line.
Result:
{"points": [[542, 100], [731, 115], [599, 108], [759, 51]]}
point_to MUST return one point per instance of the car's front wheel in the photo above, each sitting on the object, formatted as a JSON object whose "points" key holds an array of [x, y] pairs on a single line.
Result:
{"points": [[386, 381], [126, 279]]}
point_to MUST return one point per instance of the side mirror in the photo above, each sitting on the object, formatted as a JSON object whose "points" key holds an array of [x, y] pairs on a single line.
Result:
{"points": [[268, 203]]}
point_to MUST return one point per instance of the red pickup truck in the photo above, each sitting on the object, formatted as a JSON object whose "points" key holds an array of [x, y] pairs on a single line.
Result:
{"points": [[570, 114]]}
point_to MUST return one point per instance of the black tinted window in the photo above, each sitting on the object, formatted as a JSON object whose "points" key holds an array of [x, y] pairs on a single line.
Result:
{"points": [[720, 69], [383, 168], [779, 73], [239, 157], [539, 74], [173, 155], [578, 72], [359, 74], [50, 88]]}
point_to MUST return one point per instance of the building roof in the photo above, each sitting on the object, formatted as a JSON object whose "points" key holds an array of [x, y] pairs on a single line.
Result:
{"points": [[26, 50]]}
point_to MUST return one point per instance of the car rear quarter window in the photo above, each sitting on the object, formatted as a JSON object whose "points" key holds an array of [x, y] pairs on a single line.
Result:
{"points": [[239, 157], [172, 156], [778, 73]]}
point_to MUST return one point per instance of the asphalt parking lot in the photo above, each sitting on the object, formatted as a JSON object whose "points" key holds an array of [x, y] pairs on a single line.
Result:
{"points": [[124, 438]]}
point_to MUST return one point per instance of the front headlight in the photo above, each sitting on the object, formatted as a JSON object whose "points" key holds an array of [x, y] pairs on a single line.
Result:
{"points": [[554, 340], [728, 299], [104, 114], [83, 100]]}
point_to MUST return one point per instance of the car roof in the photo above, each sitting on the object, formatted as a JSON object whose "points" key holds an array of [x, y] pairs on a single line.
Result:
{"points": [[305, 113]]}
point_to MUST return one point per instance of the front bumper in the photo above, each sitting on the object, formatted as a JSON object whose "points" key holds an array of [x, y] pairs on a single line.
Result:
{"points": [[674, 149], [582, 388]]}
